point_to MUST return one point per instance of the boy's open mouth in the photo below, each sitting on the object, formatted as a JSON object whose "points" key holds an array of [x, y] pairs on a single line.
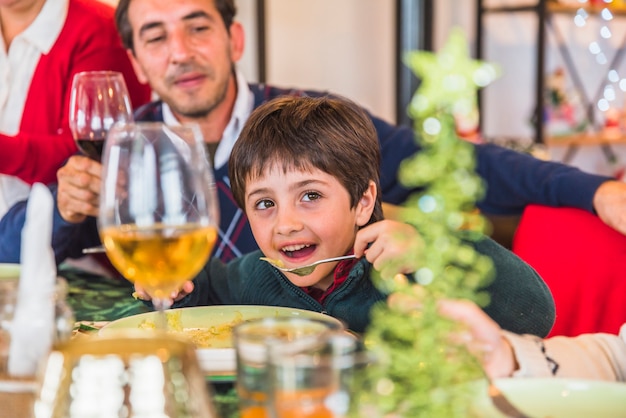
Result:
{"points": [[298, 251]]}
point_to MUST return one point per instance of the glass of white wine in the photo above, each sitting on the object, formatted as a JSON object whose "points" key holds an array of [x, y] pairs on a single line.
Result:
{"points": [[159, 214]]}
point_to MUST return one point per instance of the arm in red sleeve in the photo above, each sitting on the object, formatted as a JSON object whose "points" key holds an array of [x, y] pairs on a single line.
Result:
{"points": [[88, 41]]}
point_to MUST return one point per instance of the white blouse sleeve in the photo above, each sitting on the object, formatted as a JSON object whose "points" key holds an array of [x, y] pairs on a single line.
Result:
{"points": [[589, 356]]}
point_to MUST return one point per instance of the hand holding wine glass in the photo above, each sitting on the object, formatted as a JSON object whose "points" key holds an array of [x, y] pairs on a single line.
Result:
{"points": [[99, 99], [158, 214]]}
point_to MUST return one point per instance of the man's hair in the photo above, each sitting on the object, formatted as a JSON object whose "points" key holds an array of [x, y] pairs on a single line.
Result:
{"points": [[331, 134], [226, 8]]}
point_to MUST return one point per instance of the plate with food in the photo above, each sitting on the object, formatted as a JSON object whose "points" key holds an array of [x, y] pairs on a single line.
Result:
{"points": [[210, 329]]}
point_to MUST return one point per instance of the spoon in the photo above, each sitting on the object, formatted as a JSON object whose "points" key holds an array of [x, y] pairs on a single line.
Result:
{"points": [[304, 270], [94, 250]]}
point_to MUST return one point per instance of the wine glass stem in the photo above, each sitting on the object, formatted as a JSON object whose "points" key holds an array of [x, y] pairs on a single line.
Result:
{"points": [[161, 305]]}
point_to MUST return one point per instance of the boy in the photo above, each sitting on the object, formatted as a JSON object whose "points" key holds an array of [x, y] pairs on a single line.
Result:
{"points": [[306, 173]]}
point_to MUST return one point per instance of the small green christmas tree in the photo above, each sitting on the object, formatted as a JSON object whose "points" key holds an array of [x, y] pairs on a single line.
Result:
{"points": [[419, 372]]}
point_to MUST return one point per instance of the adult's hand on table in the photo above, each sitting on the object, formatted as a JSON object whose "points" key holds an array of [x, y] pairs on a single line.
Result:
{"points": [[609, 202], [79, 188]]}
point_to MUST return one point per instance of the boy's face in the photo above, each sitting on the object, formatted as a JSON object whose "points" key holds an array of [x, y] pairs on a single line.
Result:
{"points": [[299, 217]]}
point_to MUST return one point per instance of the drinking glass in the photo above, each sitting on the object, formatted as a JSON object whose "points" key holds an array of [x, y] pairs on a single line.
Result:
{"points": [[158, 215], [126, 374], [312, 381], [8, 300], [99, 99], [253, 341], [9, 296]]}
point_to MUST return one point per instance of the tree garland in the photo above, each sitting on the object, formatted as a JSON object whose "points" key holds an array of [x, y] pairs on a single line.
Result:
{"points": [[418, 371]]}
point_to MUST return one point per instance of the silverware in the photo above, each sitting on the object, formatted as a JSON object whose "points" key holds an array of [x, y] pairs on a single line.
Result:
{"points": [[304, 270], [502, 403], [94, 250]]}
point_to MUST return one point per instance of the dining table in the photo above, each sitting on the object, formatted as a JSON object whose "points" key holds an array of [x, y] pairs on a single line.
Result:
{"points": [[97, 299]]}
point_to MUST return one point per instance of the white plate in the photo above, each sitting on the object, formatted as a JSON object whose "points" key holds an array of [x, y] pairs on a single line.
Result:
{"points": [[563, 398], [217, 362]]}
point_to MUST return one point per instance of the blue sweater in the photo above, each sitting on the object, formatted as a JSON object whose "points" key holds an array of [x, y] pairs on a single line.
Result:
{"points": [[514, 180], [520, 300]]}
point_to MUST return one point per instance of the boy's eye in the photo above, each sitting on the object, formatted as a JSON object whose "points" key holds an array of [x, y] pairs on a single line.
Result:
{"points": [[264, 204], [310, 196]]}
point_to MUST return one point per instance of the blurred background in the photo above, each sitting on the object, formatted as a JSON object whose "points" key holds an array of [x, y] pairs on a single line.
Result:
{"points": [[565, 54]]}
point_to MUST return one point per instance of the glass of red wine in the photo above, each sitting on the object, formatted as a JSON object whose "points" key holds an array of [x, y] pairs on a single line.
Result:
{"points": [[99, 99]]}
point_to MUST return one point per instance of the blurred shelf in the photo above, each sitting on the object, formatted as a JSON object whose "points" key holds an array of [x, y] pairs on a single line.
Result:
{"points": [[585, 139], [544, 12], [555, 7], [574, 142]]}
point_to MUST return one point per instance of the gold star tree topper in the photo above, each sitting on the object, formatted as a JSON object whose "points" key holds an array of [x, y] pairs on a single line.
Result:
{"points": [[449, 79]]}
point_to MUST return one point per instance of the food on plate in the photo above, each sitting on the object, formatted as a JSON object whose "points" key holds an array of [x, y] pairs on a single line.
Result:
{"points": [[215, 336]]}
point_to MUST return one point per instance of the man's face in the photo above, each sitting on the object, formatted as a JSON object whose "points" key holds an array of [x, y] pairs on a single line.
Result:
{"points": [[185, 52]]}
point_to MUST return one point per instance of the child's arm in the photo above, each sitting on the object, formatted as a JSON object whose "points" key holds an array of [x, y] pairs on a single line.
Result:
{"points": [[392, 247]]}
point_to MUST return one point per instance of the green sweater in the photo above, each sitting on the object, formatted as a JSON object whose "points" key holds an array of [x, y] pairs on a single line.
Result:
{"points": [[520, 300]]}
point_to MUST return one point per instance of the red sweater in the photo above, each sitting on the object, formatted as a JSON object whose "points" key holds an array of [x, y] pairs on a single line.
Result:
{"points": [[88, 41]]}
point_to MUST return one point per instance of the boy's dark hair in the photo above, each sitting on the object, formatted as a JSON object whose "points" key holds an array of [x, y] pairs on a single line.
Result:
{"points": [[226, 8], [332, 134]]}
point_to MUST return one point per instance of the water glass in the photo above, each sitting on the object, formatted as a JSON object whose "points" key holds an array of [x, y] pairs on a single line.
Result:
{"points": [[17, 394], [63, 315], [8, 300], [313, 381], [253, 340]]}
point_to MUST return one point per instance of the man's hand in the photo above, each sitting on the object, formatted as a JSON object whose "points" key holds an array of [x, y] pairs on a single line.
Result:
{"points": [[610, 204], [79, 188]]}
